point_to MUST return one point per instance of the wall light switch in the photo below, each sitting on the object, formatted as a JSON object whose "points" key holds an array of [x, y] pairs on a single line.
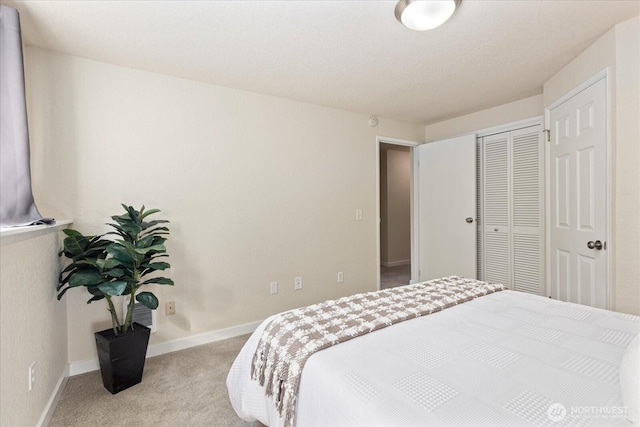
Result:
{"points": [[274, 288], [340, 277]]}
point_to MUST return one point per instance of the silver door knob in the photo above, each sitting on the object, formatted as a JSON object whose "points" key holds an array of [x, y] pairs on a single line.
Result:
{"points": [[595, 245], [469, 219]]}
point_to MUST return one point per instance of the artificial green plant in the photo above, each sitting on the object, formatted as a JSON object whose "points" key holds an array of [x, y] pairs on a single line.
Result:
{"points": [[112, 267]]}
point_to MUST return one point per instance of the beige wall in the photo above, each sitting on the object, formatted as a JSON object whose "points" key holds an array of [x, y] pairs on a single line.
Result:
{"points": [[32, 326], [598, 56], [258, 188], [395, 230], [627, 170], [518, 110]]}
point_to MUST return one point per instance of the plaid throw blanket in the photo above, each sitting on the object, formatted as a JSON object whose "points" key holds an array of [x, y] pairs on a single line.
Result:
{"points": [[292, 337]]}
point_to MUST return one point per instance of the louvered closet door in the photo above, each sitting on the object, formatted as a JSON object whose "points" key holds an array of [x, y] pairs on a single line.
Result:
{"points": [[479, 212], [526, 210], [497, 265], [512, 209]]}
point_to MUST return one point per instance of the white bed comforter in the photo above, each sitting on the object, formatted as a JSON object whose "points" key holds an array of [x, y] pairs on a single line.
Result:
{"points": [[508, 358]]}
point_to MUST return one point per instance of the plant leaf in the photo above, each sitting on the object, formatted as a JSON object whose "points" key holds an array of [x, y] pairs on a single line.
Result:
{"points": [[75, 243], [63, 292], [113, 288], [95, 298], [156, 265], [68, 268], [85, 278], [145, 242], [111, 263], [115, 272], [122, 252], [156, 231], [97, 293], [148, 300], [159, 281], [147, 213], [133, 215], [144, 251], [146, 225]]}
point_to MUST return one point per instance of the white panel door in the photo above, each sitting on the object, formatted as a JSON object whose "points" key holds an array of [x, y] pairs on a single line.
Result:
{"points": [[578, 198], [446, 198]]}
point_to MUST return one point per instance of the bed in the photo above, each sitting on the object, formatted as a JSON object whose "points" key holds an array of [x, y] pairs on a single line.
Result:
{"points": [[503, 359]]}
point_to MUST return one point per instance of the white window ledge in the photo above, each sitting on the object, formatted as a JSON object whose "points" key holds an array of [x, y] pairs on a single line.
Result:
{"points": [[15, 234]]}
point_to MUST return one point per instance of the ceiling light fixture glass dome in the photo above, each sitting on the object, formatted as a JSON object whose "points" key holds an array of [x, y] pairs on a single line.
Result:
{"points": [[422, 15]]}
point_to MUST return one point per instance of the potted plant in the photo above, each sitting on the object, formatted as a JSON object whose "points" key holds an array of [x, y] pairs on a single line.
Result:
{"points": [[110, 267]]}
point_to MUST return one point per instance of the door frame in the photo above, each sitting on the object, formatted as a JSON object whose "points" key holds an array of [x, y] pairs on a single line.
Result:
{"points": [[603, 74], [412, 207]]}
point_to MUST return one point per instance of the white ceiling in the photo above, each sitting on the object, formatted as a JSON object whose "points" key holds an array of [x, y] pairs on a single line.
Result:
{"points": [[351, 55]]}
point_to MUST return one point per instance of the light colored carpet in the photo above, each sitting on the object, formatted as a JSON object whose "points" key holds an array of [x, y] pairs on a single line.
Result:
{"points": [[390, 277], [183, 388]]}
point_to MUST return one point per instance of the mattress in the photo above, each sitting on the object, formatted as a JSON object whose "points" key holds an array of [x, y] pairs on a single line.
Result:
{"points": [[507, 358]]}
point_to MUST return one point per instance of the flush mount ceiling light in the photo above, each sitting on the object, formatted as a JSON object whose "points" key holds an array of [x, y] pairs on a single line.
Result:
{"points": [[422, 15]]}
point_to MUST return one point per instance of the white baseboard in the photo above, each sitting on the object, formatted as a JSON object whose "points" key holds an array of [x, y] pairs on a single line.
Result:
{"points": [[396, 263], [84, 366], [53, 400], [206, 338]]}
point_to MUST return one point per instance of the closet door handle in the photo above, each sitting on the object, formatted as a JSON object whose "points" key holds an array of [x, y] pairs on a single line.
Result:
{"points": [[469, 219], [595, 245]]}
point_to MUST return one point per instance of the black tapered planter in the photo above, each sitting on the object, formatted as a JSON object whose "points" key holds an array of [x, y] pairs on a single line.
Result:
{"points": [[122, 357]]}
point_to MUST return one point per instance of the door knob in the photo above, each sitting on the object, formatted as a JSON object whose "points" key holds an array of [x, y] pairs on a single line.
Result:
{"points": [[595, 245], [469, 219]]}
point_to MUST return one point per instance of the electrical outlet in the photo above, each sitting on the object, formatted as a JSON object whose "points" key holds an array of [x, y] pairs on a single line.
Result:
{"points": [[298, 283], [358, 214], [340, 277], [32, 376], [170, 308], [274, 288]]}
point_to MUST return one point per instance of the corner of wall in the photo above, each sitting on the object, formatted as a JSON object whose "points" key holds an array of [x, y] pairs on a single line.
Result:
{"points": [[33, 326], [625, 158]]}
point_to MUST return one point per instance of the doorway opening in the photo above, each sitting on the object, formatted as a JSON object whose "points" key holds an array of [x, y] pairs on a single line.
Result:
{"points": [[395, 204]]}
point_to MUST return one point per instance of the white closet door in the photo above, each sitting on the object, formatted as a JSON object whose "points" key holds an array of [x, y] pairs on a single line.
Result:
{"points": [[479, 213], [527, 210], [512, 209], [497, 265]]}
